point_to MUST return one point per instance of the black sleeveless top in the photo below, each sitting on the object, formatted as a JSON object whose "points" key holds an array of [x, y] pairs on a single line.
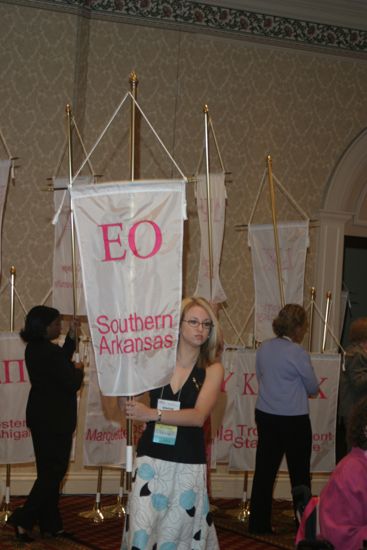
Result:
{"points": [[190, 446]]}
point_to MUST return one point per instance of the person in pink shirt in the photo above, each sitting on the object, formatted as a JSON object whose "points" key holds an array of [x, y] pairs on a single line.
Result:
{"points": [[343, 501]]}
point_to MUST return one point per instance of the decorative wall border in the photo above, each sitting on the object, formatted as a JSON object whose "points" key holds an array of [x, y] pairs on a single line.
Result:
{"points": [[205, 17]]}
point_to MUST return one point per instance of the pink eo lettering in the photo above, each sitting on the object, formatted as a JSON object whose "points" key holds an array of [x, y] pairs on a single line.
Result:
{"points": [[111, 235]]}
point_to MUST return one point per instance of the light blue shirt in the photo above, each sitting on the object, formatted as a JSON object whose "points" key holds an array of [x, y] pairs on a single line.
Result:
{"points": [[286, 378]]}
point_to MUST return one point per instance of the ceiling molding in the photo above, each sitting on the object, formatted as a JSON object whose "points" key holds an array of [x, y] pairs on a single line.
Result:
{"points": [[342, 13], [286, 30]]}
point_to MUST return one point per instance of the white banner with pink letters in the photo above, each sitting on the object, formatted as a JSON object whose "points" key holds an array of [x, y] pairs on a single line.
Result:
{"points": [[15, 439], [130, 237], [236, 437], [293, 244]]}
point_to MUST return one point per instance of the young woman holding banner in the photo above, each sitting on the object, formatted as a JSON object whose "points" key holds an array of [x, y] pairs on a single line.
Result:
{"points": [[286, 379], [51, 416], [169, 506]]}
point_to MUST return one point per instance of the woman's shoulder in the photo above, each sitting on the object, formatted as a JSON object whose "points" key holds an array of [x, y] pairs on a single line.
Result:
{"points": [[215, 369]]}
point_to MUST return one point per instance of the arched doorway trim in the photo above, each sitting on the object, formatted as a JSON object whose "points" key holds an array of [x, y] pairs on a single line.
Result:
{"points": [[342, 206]]}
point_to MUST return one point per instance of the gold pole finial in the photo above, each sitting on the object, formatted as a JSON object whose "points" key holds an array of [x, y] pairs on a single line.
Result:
{"points": [[133, 77], [68, 109], [205, 108], [12, 270]]}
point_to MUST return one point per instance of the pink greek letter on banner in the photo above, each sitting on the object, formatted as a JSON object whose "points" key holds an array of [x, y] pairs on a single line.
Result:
{"points": [[15, 438]]}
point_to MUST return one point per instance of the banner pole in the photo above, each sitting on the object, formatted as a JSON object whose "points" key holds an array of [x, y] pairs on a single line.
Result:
{"points": [[133, 79], [275, 229], [72, 224], [5, 512], [326, 321], [208, 197], [310, 322]]}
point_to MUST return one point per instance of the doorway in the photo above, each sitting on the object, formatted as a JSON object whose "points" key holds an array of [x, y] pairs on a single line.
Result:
{"points": [[354, 282]]}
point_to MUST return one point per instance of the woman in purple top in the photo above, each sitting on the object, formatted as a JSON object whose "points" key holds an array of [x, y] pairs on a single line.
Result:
{"points": [[286, 379], [343, 501]]}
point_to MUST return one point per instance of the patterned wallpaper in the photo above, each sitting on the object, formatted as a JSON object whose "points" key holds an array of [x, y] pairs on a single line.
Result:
{"points": [[302, 106]]}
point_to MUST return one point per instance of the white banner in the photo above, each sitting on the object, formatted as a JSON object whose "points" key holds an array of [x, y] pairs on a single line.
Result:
{"points": [[293, 244], [225, 415], [238, 432], [15, 439], [218, 209], [130, 240], [62, 284], [104, 427], [4, 179]]}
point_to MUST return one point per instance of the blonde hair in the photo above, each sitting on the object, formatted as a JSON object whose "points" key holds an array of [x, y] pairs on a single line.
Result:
{"points": [[211, 349]]}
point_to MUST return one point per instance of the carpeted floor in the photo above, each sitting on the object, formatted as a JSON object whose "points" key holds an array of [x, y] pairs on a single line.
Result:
{"points": [[81, 519]]}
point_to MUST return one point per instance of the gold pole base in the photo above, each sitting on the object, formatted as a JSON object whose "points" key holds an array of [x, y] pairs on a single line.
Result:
{"points": [[242, 513], [117, 510], [5, 513], [95, 514]]}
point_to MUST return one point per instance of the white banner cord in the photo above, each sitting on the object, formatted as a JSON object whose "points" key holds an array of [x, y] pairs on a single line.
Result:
{"points": [[216, 144], [58, 165], [19, 299], [128, 94], [6, 285], [83, 146], [101, 136], [55, 219], [158, 138], [10, 156], [238, 334], [285, 193], [262, 181], [63, 151], [46, 296], [247, 319], [291, 199]]}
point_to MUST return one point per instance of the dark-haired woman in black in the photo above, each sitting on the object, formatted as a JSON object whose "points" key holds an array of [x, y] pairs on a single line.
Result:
{"points": [[51, 416]]}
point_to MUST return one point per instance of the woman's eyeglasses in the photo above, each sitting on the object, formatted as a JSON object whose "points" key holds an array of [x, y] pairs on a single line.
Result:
{"points": [[194, 323]]}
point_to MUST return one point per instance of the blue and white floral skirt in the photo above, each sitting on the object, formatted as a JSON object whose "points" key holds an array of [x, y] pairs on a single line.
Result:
{"points": [[168, 508]]}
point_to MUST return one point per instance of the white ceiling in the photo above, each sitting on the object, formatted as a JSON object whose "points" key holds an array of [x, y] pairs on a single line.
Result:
{"points": [[347, 13]]}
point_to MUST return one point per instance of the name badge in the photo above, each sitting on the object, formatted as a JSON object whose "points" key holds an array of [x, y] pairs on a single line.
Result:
{"points": [[163, 433]]}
